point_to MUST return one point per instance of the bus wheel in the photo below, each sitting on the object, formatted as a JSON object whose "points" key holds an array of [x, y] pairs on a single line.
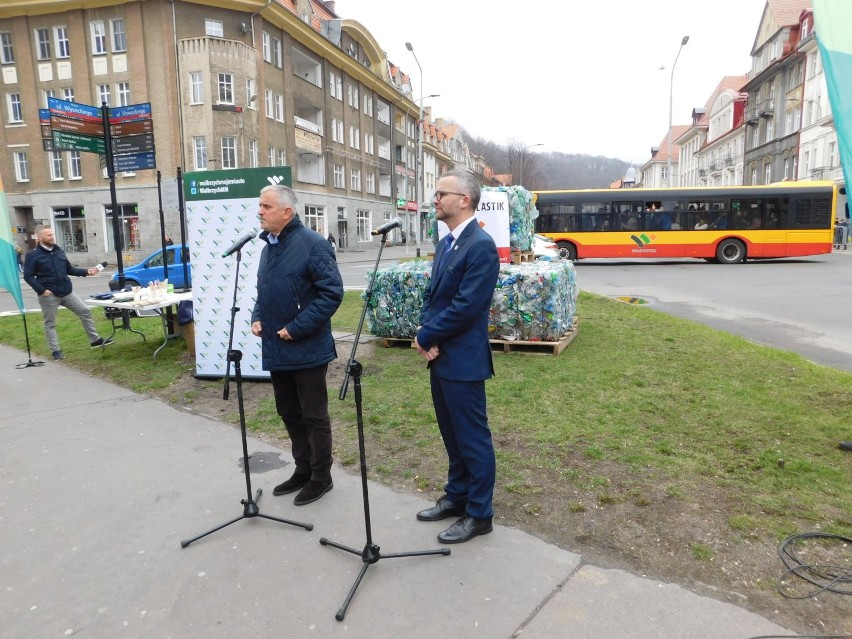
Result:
{"points": [[731, 251], [567, 251]]}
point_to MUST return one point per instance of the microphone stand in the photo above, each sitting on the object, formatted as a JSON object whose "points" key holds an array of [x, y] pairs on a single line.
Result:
{"points": [[30, 363], [250, 507], [371, 552]]}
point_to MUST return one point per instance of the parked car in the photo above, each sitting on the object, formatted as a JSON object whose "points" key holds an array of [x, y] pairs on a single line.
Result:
{"points": [[544, 248], [151, 269]]}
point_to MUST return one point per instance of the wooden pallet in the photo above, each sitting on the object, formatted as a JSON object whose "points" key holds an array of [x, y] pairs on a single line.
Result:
{"points": [[508, 346], [505, 345], [520, 257]]}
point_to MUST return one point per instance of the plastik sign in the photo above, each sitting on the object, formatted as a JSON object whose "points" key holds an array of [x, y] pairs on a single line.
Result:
{"points": [[233, 184], [492, 214]]}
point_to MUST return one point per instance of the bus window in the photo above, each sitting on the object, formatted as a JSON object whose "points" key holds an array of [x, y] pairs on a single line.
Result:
{"points": [[775, 211], [747, 213]]}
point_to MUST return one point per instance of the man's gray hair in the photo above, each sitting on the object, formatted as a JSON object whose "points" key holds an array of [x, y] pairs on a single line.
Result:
{"points": [[285, 195], [469, 184]]}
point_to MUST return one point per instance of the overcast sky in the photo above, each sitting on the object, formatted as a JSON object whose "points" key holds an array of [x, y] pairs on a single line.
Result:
{"points": [[579, 77]]}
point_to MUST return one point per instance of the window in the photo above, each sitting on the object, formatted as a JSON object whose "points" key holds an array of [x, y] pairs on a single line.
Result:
{"points": [[831, 154], [354, 137], [123, 91], [356, 180], [55, 160], [368, 105], [338, 176], [270, 103], [363, 225], [276, 52], [42, 37], [68, 93], [337, 130], [270, 156], [254, 155], [267, 49], [369, 143], [16, 112], [103, 94], [75, 165], [60, 37], [229, 153], [214, 28], [22, 166], [226, 88], [119, 36], [70, 227], [807, 162], [98, 37], [279, 107], [199, 146], [335, 85], [370, 180], [128, 225], [196, 87], [770, 129], [352, 95], [315, 218], [251, 93], [786, 168], [7, 53], [767, 178], [282, 157]]}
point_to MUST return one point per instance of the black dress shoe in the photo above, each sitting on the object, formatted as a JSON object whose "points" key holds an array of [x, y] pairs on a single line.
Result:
{"points": [[465, 529], [442, 509], [293, 484], [845, 446], [312, 491]]}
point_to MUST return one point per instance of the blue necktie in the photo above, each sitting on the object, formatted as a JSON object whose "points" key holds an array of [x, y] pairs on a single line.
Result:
{"points": [[447, 246]]}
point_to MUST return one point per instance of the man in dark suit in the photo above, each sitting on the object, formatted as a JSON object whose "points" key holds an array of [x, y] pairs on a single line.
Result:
{"points": [[453, 338]]}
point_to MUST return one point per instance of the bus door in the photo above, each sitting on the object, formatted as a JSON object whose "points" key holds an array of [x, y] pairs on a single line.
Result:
{"points": [[629, 223]]}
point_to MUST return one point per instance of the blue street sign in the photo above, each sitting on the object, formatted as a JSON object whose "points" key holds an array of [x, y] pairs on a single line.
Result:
{"points": [[140, 111], [134, 162], [74, 110]]}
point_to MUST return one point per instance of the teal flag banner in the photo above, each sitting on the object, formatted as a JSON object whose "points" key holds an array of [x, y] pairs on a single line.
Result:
{"points": [[9, 278]]}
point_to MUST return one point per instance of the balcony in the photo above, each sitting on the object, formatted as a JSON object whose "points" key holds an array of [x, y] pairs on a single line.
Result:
{"points": [[766, 108]]}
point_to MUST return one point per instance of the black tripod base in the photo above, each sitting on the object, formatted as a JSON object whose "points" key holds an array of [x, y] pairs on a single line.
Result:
{"points": [[29, 364], [371, 555], [250, 509]]}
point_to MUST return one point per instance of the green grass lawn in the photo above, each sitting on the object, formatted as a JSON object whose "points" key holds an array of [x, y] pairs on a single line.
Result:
{"points": [[639, 402]]}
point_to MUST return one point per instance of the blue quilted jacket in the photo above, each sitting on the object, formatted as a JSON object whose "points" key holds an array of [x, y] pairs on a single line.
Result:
{"points": [[298, 287]]}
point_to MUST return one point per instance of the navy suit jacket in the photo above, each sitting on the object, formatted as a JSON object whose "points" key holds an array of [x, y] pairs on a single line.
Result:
{"points": [[456, 306]]}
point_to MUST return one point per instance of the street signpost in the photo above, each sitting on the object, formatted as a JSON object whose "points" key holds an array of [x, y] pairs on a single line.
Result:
{"points": [[78, 142], [133, 144]]}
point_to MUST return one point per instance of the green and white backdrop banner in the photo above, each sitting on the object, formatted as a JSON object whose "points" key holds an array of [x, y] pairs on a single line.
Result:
{"points": [[221, 207]]}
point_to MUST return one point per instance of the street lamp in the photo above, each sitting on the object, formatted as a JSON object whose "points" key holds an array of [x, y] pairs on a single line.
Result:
{"points": [[523, 155], [418, 171], [683, 41]]}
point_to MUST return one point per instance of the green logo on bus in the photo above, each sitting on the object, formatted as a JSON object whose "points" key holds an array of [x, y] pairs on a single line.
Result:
{"points": [[642, 239]]}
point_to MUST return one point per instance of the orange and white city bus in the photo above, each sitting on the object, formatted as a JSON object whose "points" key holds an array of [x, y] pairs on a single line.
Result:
{"points": [[725, 224]]}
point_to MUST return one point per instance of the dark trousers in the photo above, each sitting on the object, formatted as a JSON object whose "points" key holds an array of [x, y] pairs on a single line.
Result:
{"points": [[301, 400], [463, 421]]}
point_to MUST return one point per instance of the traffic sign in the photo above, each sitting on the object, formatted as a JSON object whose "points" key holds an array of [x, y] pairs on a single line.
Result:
{"points": [[78, 142], [73, 125], [74, 110], [133, 127], [133, 144], [134, 162]]}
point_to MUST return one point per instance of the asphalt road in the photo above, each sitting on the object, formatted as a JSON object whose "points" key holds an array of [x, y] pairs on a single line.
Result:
{"points": [[801, 305]]}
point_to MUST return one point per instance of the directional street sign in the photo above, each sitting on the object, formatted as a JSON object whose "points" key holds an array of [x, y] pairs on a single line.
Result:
{"points": [[133, 127], [74, 110], [73, 125], [140, 111], [133, 144], [134, 162], [78, 142]]}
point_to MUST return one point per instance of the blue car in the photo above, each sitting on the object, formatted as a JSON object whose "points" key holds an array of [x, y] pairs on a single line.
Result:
{"points": [[151, 269]]}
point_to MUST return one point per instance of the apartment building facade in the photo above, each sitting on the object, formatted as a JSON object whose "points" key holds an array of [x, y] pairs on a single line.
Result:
{"points": [[232, 84]]}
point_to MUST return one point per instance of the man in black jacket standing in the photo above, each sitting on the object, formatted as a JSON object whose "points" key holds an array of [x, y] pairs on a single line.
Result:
{"points": [[298, 290], [46, 270]]}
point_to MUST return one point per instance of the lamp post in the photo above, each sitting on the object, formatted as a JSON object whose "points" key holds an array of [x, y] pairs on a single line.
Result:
{"points": [[523, 155], [418, 171], [683, 42]]}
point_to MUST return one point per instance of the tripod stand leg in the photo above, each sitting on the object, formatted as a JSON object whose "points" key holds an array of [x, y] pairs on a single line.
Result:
{"points": [[342, 612], [186, 542]]}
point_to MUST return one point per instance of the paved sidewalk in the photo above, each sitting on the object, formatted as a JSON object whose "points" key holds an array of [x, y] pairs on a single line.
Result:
{"points": [[99, 485]]}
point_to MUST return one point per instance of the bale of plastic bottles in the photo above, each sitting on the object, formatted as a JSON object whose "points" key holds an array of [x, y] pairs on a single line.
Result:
{"points": [[522, 216], [533, 301]]}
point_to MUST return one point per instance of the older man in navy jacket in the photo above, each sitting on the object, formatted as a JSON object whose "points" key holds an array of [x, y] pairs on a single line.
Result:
{"points": [[298, 290], [453, 338]]}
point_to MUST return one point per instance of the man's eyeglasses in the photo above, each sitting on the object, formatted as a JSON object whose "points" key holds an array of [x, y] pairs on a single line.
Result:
{"points": [[440, 194]]}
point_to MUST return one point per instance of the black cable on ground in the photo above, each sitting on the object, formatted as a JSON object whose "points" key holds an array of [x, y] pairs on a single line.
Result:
{"points": [[826, 578]]}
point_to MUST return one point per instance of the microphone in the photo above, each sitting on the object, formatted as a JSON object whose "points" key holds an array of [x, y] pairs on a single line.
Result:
{"points": [[100, 266], [389, 226], [240, 243]]}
